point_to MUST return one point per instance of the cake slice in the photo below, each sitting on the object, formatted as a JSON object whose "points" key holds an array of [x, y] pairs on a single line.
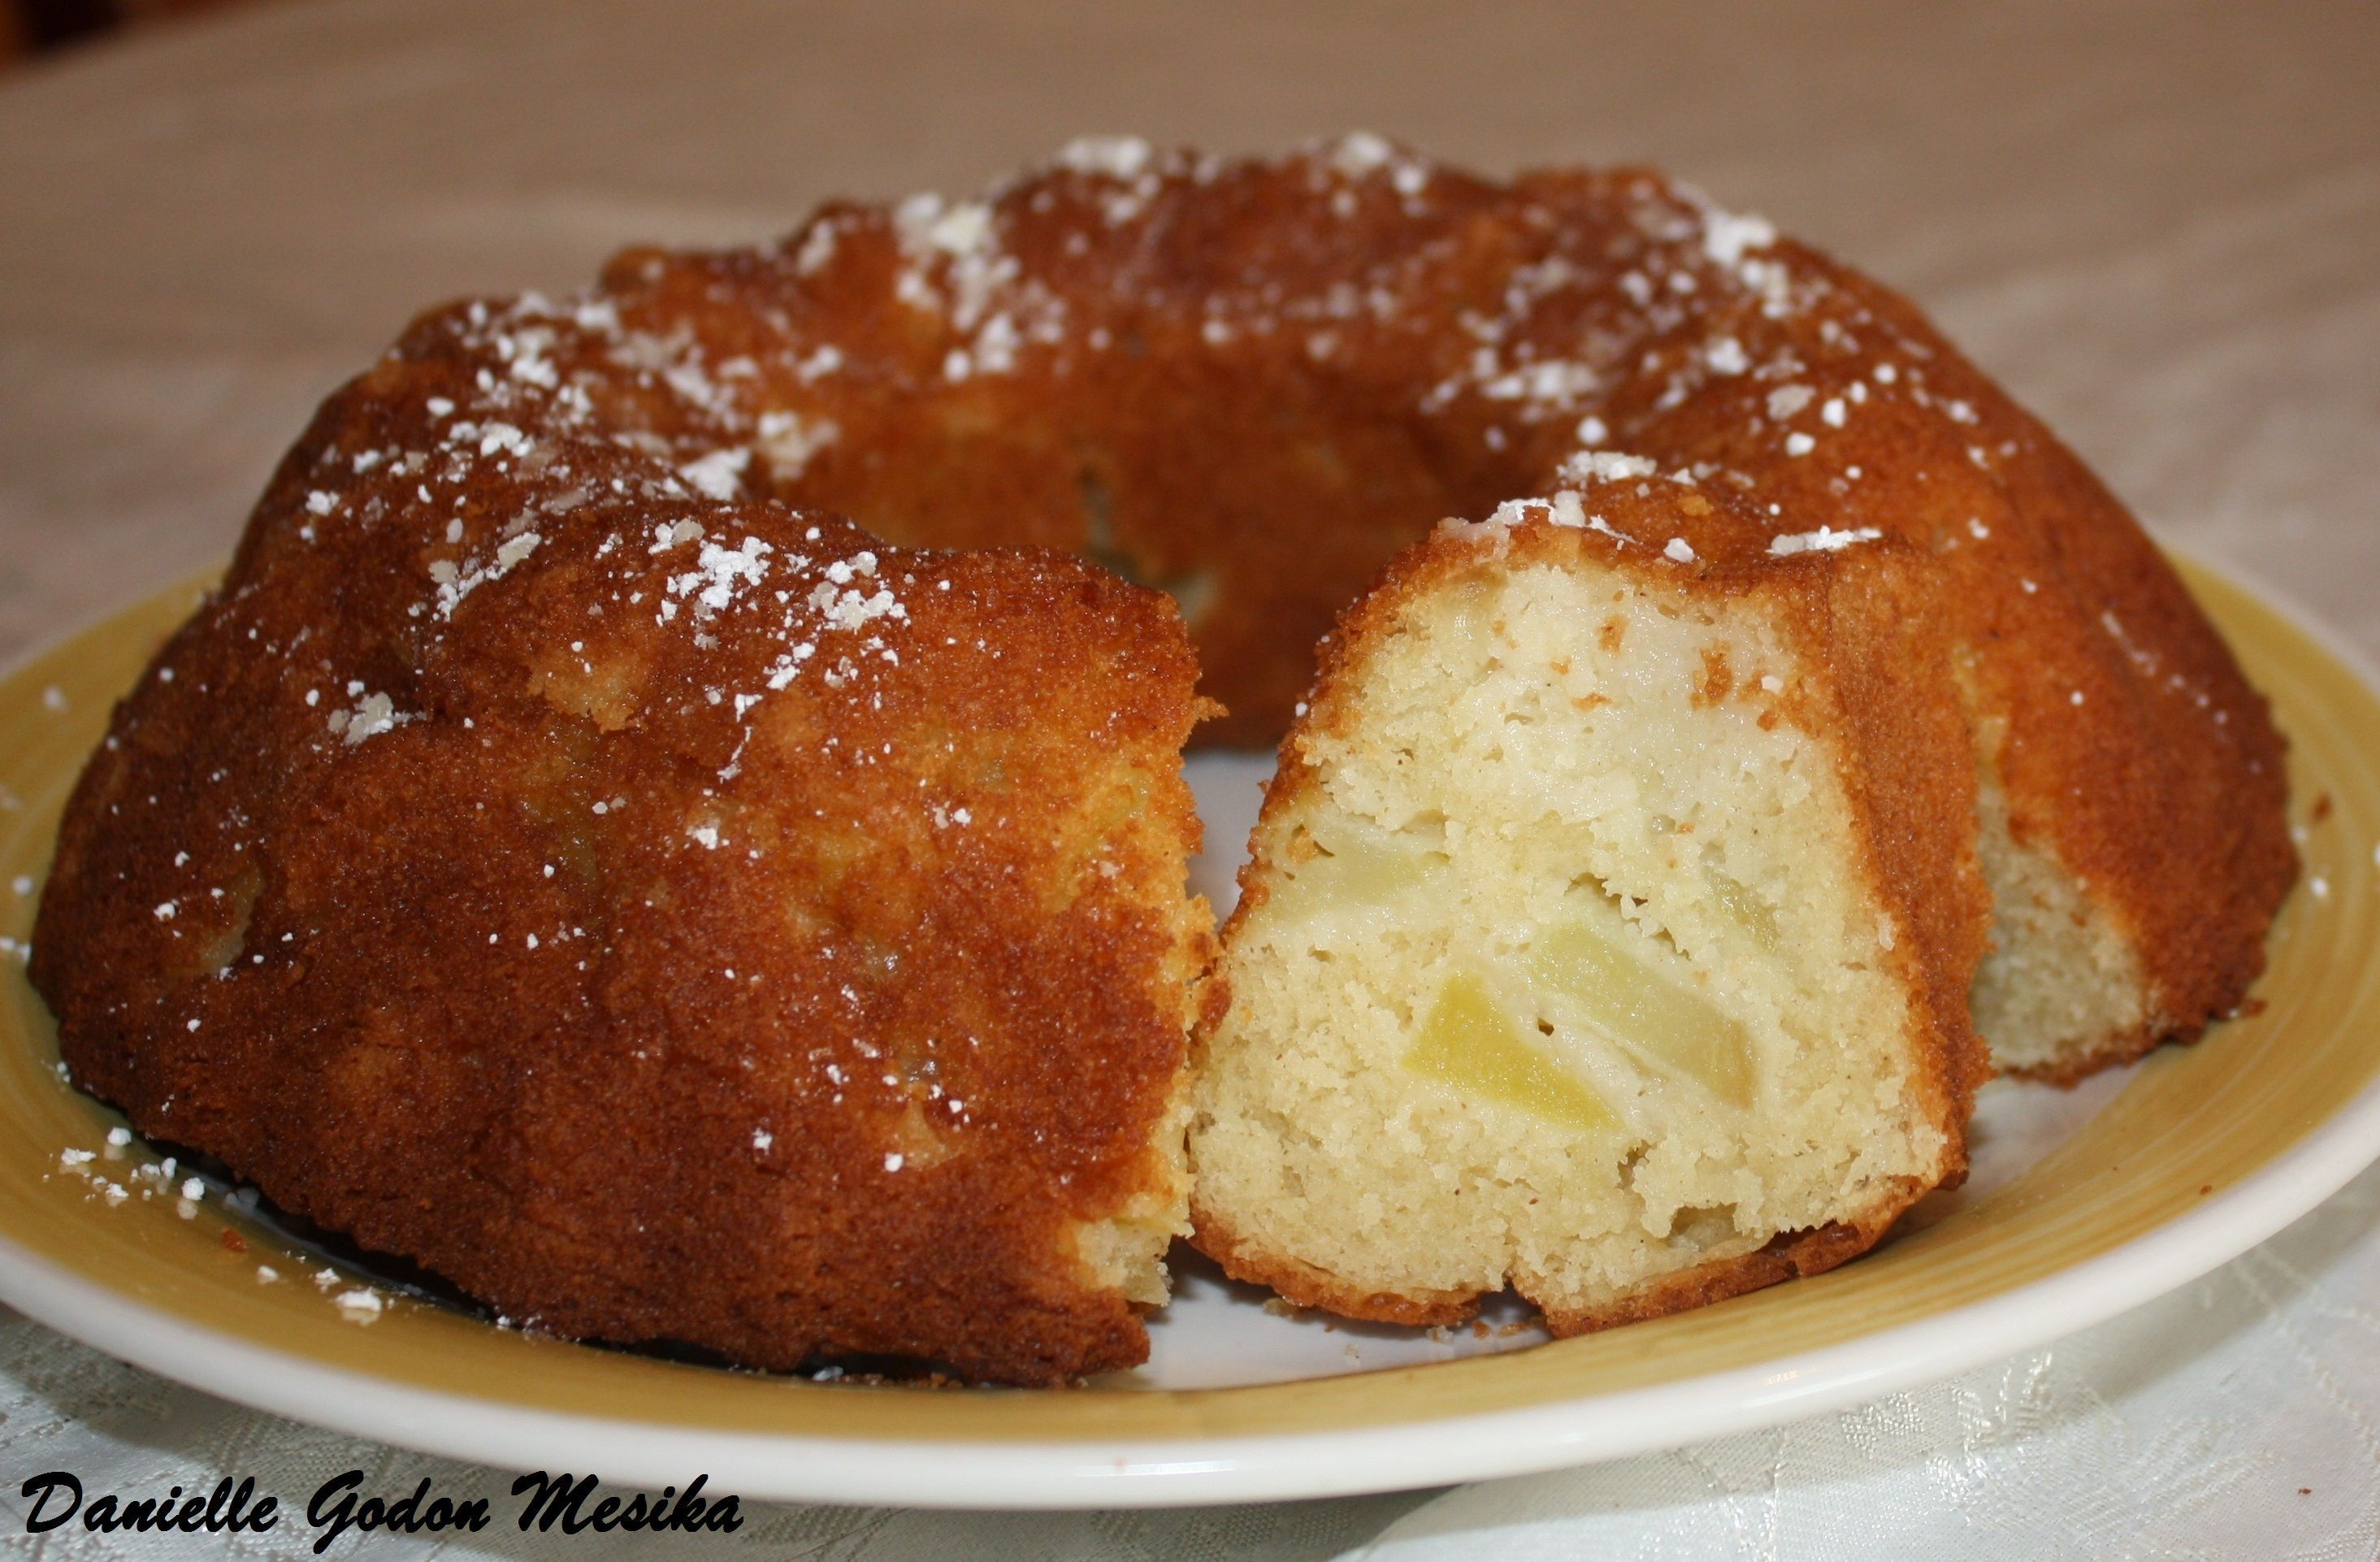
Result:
{"points": [[1609, 928]]}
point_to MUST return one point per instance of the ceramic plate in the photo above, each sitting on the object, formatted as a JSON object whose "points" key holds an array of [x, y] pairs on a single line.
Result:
{"points": [[2084, 1203]]}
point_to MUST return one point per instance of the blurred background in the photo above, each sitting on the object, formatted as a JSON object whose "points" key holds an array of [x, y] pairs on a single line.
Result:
{"points": [[35, 26]]}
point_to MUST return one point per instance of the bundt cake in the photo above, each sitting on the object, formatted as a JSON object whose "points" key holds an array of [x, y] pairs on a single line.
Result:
{"points": [[566, 853]]}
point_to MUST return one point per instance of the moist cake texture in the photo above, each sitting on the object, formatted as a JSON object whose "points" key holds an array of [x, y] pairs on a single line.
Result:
{"points": [[1609, 929]]}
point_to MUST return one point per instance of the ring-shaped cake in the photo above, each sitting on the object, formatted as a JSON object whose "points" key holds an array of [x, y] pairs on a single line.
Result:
{"points": [[673, 819]]}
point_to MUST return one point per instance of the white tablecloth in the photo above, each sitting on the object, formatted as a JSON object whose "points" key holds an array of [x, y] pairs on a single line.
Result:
{"points": [[2158, 225]]}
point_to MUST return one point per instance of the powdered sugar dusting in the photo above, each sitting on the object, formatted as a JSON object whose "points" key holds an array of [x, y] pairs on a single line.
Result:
{"points": [[719, 475], [371, 716], [1118, 157], [1727, 237], [1823, 541], [1606, 466]]}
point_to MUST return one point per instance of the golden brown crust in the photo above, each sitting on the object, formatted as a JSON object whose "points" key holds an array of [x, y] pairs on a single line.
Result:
{"points": [[1310, 1286], [645, 974], [1790, 1254], [1787, 1256], [1901, 742]]}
